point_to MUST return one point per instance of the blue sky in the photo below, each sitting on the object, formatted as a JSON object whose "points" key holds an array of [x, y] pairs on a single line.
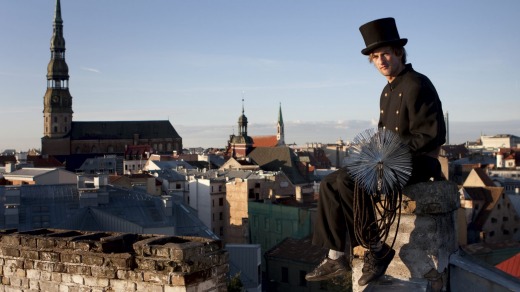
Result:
{"points": [[192, 62]]}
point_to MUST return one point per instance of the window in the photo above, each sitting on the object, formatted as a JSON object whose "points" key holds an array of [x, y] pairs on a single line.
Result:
{"points": [[221, 231], [213, 217], [505, 219], [285, 275], [493, 220], [213, 203], [221, 201], [221, 216]]}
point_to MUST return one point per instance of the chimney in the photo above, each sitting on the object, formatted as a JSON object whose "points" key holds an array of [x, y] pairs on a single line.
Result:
{"points": [[9, 167]]}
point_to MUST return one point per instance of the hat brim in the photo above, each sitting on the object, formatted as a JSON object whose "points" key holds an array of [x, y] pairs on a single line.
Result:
{"points": [[400, 42]]}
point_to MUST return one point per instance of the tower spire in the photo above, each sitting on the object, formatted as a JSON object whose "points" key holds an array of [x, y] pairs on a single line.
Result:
{"points": [[280, 135], [57, 102], [242, 122]]}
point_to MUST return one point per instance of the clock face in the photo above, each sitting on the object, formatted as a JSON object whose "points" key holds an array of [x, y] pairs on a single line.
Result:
{"points": [[55, 98]]}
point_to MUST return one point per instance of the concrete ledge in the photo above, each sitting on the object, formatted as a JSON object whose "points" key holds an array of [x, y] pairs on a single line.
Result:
{"points": [[424, 242]]}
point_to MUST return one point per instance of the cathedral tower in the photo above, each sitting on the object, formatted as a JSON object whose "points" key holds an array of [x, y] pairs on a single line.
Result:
{"points": [[57, 102]]}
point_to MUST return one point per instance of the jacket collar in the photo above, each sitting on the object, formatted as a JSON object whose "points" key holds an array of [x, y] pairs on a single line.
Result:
{"points": [[399, 78]]}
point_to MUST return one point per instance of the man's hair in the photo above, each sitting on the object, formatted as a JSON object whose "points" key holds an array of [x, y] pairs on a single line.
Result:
{"points": [[397, 51]]}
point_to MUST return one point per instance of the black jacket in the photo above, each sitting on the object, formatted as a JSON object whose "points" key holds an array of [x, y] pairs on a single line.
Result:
{"points": [[411, 107]]}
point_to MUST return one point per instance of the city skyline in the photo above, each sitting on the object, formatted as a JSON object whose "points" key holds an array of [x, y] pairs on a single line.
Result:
{"points": [[192, 63]]}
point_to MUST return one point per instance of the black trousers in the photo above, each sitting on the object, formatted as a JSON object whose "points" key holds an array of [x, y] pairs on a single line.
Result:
{"points": [[335, 216]]}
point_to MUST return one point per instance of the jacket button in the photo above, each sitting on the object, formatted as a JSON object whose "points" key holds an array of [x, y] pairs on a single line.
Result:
{"points": [[397, 128], [382, 111], [400, 94], [397, 112], [386, 94]]}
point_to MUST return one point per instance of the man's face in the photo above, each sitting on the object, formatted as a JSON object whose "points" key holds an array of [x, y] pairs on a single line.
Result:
{"points": [[387, 62]]}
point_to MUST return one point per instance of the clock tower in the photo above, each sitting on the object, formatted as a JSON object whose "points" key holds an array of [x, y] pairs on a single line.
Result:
{"points": [[57, 102]]}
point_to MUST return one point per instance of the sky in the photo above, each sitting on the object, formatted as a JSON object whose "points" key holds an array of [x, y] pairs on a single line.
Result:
{"points": [[192, 62]]}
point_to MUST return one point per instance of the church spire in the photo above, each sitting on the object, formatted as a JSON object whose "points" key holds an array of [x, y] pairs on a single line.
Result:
{"points": [[280, 135], [57, 102], [242, 122]]}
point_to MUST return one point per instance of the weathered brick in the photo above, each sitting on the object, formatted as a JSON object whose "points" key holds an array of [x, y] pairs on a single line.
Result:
{"points": [[56, 277], [5, 281], [96, 282], [45, 266], [123, 285], [49, 256], [67, 257], [65, 288], [28, 264], [45, 243], [78, 279], [29, 254], [104, 272], [20, 273], [146, 263], [59, 268], [135, 276], [11, 251], [46, 276], [16, 281], [25, 283], [79, 270], [121, 261], [151, 276], [28, 242], [161, 251], [34, 284], [149, 287], [92, 260], [49, 286], [66, 278], [81, 245], [12, 240]]}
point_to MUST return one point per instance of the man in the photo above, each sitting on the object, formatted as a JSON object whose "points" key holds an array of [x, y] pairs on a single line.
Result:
{"points": [[410, 106]]}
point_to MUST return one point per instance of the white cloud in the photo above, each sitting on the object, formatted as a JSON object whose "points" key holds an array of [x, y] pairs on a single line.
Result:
{"points": [[90, 70]]}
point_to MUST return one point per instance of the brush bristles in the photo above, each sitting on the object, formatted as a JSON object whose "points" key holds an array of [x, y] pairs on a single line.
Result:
{"points": [[379, 161]]}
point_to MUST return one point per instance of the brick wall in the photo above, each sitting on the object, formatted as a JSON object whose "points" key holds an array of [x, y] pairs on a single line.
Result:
{"points": [[67, 260]]}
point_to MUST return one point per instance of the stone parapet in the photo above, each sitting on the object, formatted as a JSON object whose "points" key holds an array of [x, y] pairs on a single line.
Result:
{"points": [[426, 237], [68, 260]]}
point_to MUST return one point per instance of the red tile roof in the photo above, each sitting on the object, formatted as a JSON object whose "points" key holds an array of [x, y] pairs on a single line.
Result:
{"points": [[511, 266], [265, 141]]}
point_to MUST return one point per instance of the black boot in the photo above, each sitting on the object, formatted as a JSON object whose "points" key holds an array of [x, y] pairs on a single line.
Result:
{"points": [[328, 269], [375, 264]]}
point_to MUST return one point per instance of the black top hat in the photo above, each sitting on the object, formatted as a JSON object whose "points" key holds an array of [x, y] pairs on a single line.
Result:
{"points": [[379, 33]]}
